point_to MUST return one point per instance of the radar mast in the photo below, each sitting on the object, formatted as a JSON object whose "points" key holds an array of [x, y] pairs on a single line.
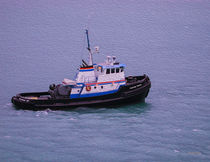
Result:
{"points": [[90, 53]]}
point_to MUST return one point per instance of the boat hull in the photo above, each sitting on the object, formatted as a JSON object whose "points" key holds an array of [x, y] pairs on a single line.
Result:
{"points": [[134, 90]]}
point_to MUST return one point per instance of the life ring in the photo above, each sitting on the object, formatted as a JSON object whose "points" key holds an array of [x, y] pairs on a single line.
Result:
{"points": [[99, 68], [88, 88]]}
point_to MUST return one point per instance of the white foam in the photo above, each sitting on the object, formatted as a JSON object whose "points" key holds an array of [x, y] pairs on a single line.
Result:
{"points": [[196, 130]]}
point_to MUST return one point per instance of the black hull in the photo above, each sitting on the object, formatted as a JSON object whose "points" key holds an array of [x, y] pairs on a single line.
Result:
{"points": [[136, 89]]}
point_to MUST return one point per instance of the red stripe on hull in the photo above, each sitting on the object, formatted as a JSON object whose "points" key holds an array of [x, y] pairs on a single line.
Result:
{"points": [[105, 82]]}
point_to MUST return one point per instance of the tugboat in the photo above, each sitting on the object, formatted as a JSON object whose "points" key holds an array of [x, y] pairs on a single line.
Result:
{"points": [[95, 84]]}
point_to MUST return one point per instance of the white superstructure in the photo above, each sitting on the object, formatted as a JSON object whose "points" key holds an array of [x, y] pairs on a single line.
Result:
{"points": [[97, 79]]}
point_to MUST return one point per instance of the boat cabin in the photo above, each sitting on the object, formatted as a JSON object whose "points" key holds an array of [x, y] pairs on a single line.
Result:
{"points": [[99, 79], [102, 72]]}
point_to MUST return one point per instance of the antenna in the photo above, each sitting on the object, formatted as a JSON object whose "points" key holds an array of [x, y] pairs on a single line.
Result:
{"points": [[88, 40], [90, 53]]}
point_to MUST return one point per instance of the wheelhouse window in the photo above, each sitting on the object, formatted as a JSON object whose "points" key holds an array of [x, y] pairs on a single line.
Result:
{"points": [[113, 70], [107, 71], [117, 70], [121, 69]]}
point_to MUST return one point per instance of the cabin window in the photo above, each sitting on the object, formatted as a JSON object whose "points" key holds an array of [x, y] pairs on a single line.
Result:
{"points": [[112, 70], [117, 70], [107, 71], [121, 69], [102, 87], [94, 87]]}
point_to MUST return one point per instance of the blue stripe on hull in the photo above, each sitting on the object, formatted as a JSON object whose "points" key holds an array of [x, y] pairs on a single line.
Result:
{"points": [[75, 96], [92, 94]]}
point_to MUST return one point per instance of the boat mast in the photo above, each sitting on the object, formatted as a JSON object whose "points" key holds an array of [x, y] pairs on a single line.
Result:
{"points": [[90, 53]]}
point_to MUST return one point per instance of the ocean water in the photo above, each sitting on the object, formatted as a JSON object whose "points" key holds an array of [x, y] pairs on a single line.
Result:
{"points": [[43, 42]]}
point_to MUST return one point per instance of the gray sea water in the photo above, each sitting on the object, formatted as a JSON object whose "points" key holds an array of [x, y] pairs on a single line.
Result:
{"points": [[42, 42]]}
